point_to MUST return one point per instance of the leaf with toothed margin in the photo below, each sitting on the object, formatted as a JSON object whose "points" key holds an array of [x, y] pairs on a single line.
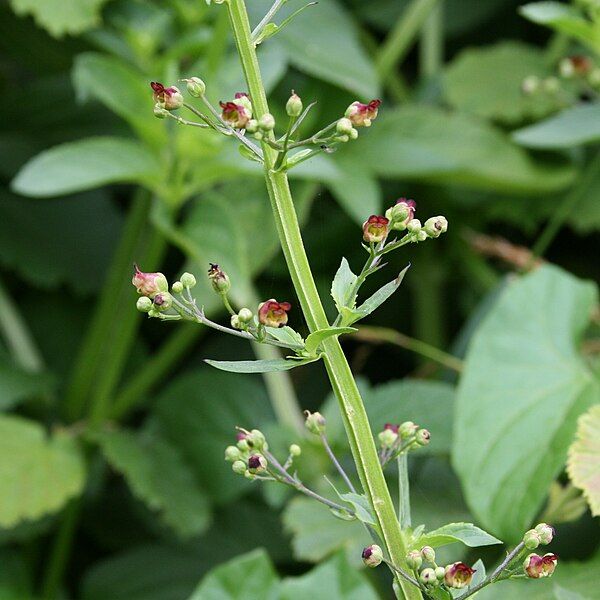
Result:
{"points": [[259, 366]]}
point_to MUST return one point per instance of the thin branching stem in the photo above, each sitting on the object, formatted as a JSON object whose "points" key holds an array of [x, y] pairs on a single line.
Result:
{"points": [[336, 463]]}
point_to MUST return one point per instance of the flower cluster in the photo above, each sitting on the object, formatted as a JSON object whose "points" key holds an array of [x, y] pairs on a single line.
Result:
{"points": [[248, 455], [396, 439]]}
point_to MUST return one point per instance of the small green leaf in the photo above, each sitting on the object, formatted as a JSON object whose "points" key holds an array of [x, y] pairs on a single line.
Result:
{"points": [[259, 366], [286, 335], [467, 533], [584, 458], [342, 284], [361, 507], [86, 164], [268, 30], [314, 339], [38, 474]]}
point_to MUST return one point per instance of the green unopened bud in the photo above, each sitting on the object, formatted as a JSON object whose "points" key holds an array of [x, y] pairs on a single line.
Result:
{"points": [[232, 454], [257, 464], [235, 322], [428, 577], [546, 533], [531, 85], [243, 444], [428, 553], [153, 312], [407, 429], [440, 573], [177, 287], [387, 438], [295, 450], [252, 126], [218, 278], [353, 134], [245, 315], [421, 236], [163, 301], [144, 304], [531, 539], [372, 555], [342, 138], [256, 439], [414, 226], [267, 122], [258, 135], [315, 422], [188, 280], [414, 560], [344, 126], [294, 106], [195, 86], [435, 226], [160, 112], [239, 467], [422, 437]]}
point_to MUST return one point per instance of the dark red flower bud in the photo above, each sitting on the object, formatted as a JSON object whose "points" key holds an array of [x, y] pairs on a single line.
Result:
{"points": [[273, 314], [391, 427], [375, 229], [458, 575], [361, 115], [169, 98], [219, 279], [149, 284]]}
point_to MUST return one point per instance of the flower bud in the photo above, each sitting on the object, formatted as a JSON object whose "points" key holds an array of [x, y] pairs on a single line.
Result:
{"points": [[259, 135], [361, 115], [422, 437], [407, 429], [531, 85], [414, 226], [188, 280], [273, 314], [578, 65], [294, 106], [315, 422], [243, 99], [344, 126], [218, 279], [177, 287], [195, 86], [458, 575], [401, 213], [536, 566], [440, 573], [235, 114], [549, 562], [257, 464], [387, 438], [421, 236], [252, 126], [144, 304], [160, 112], [239, 467], [342, 138], [168, 98], [372, 555], [153, 312], [267, 122], [546, 533], [256, 439], [414, 560], [243, 444], [531, 539], [163, 301], [428, 554], [375, 229], [149, 284], [232, 454], [428, 577], [435, 226], [235, 322], [295, 450], [353, 134], [245, 315]]}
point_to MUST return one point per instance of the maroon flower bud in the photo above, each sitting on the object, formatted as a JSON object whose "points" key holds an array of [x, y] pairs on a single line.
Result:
{"points": [[163, 301], [273, 314], [375, 229], [257, 463], [372, 555], [422, 437], [149, 284], [169, 98], [391, 427], [533, 566], [315, 422], [458, 575], [235, 114], [361, 114], [218, 279], [549, 562]]}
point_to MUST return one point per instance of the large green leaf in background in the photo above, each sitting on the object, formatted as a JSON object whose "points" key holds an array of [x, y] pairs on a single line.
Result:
{"points": [[39, 473], [423, 143], [86, 164], [157, 474], [523, 387], [487, 82]]}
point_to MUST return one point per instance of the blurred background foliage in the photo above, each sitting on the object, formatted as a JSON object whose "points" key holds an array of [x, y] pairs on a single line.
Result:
{"points": [[112, 431]]}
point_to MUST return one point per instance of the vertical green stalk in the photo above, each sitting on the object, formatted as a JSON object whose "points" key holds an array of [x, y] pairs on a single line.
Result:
{"points": [[342, 380], [431, 49], [403, 491]]}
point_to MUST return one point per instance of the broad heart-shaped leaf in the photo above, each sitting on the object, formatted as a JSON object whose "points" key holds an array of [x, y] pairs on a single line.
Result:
{"points": [[38, 474], [86, 164], [157, 475], [342, 283], [314, 339], [466, 533], [572, 127], [119, 87], [487, 82], [584, 458], [249, 576], [333, 54], [259, 366], [198, 413], [60, 17], [520, 394], [421, 143]]}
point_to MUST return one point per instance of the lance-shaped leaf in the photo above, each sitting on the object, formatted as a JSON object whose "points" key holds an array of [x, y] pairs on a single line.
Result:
{"points": [[341, 287], [584, 458], [315, 338], [467, 533], [287, 335], [259, 366]]}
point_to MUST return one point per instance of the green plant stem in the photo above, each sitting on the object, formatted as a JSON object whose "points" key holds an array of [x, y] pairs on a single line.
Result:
{"points": [[403, 491], [402, 36], [431, 48], [565, 209], [19, 340], [342, 380], [379, 335]]}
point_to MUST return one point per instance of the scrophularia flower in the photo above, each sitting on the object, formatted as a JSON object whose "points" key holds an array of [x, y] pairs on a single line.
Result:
{"points": [[537, 566], [401, 214], [458, 575], [149, 284], [235, 114], [375, 229], [257, 463], [361, 114], [273, 314], [372, 555], [218, 279], [169, 98]]}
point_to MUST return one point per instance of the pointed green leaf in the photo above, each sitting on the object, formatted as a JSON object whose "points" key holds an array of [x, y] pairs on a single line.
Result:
{"points": [[361, 507], [258, 366], [467, 533], [342, 283], [314, 339], [286, 334]]}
